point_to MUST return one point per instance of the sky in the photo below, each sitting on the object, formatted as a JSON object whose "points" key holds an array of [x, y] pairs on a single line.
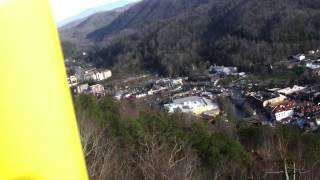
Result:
{"points": [[63, 9]]}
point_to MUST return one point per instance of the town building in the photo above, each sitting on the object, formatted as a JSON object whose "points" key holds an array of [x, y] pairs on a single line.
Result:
{"points": [[223, 70], [299, 57], [274, 101], [314, 68], [97, 89], [96, 75], [82, 88], [264, 99], [289, 90], [307, 108], [312, 65], [284, 110], [73, 81], [193, 104], [311, 52]]}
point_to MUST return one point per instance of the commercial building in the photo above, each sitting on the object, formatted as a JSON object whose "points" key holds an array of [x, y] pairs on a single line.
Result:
{"points": [[97, 89], [284, 110], [193, 104], [97, 75]]}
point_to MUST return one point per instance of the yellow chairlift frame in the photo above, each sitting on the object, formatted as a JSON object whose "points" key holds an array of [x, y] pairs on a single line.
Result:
{"points": [[39, 138]]}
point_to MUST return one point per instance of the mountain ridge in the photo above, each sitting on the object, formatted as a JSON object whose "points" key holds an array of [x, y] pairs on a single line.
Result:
{"points": [[77, 31], [94, 10], [249, 34]]}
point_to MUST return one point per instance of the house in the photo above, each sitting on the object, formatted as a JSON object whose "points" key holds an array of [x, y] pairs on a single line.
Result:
{"points": [[299, 57], [103, 75], [193, 104], [311, 65], [284, 110], [141, 95], [73, 81], [314, 68], [82, 88], [317, 119], [177, 81], [289, 90], [223, 70], [97, 89], [95, 75], [242, 74], [157, 89], [311, 52]]}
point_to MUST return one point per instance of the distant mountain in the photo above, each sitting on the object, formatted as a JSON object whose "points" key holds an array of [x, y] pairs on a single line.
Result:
{"points": [[91, 11], [180, 36], [78, 30]]}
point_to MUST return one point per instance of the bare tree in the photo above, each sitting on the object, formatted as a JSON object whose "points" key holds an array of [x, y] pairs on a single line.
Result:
{"points": [[104, 158], [158, 160]]}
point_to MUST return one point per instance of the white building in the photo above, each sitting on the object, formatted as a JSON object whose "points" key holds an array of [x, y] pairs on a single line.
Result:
{"points": [[292, 90], [73, 81], [194, 104], [284, 114], [141, 95], [103, 75], [96, 75], [318, 121], [284, 111], [82, 88], [154, 91], [311, 52], [177, 81], [299, 57], [313, 66], [97, 89], [242, 74], [224, 70]]}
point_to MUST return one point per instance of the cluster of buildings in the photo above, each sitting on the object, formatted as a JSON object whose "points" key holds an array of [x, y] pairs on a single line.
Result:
{"points": [[197, 94], [152, 87], [180, 94], [97, 89], [311, 61], [80, 81], [193, 95], [227, 71], [85, 75], [289, 105]]}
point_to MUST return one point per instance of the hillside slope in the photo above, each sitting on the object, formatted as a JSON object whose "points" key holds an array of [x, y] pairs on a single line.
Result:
{"points": [[146, 12], [182, 36], [78, 30]]}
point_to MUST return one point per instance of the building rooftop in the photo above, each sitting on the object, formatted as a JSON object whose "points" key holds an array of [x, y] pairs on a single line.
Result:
{"points": [[290, 105], [187, 99], [292, 90]]}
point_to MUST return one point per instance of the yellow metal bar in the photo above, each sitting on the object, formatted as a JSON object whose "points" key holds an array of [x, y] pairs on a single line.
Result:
{"points": [[39, 138]]}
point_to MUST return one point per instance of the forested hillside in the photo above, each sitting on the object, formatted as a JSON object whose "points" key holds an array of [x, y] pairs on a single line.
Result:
{"points": [[130, 141], [181, 36]]}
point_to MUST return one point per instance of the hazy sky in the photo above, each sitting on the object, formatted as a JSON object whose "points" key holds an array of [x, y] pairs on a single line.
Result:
{"points": [[63, 9]]}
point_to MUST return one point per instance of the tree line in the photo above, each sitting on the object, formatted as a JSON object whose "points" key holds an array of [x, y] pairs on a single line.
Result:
{"points": [[128, 140], [249, 34]]}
